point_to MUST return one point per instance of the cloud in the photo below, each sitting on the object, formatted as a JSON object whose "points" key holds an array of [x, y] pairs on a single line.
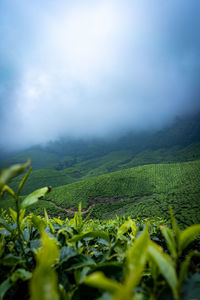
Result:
{"points": [[95, 68]]}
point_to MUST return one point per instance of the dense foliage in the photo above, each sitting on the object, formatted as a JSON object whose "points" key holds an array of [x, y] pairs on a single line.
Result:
{"points": [[143, 191], [122, 258]]}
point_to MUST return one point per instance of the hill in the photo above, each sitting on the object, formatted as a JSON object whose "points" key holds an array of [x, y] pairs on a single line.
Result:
{"points": [[114, 161], [143, 191], [179, 141]]}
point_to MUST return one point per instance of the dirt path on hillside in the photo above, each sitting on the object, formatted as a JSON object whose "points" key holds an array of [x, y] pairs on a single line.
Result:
{"points": [[92, 203]]}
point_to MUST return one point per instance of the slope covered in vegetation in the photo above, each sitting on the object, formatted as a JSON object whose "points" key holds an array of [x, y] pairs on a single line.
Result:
{"points": [[44, 258], [143, 191]]}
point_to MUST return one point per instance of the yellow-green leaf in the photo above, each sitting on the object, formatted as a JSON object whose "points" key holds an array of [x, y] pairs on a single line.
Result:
{"points": [[23, 181], [165, 265], [44, 285], [136, 260], [5, 189], [175, 226], [188, 236], [35, 196], [7, 174], [38, 222], [100, 281], [46, 216], [13, 214], [58, 221], [170, 240], [125, 227]]}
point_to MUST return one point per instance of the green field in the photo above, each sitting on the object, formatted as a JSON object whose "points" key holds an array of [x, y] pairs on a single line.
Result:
{"points": [[143, 191]]}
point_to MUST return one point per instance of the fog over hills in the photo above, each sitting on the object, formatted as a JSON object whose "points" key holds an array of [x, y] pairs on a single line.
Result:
{"points": [[95, 69], [179, 141]]}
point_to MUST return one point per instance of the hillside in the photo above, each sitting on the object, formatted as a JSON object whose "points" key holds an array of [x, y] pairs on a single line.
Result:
{"points": [[143, 191], [135, 175], [117, 160], [179, 141]]}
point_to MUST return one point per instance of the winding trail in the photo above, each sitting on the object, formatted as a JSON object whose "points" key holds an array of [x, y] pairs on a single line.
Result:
{"points": [[93, 202]]}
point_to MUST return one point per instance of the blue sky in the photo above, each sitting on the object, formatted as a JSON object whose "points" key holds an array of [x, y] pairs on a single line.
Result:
{"points": [[95, 67]]}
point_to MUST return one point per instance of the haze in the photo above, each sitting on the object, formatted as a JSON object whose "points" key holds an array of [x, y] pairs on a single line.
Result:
{"points": [[95, 68]]}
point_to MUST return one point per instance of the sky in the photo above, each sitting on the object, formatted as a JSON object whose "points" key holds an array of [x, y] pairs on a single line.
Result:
{"points": [[95, 68]]}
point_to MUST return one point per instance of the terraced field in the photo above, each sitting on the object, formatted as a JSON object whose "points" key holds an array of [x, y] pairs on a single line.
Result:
{"points": [[143, 191]]}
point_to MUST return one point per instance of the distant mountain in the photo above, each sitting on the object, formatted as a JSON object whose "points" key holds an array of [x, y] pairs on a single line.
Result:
{"points": [[181, 138]]}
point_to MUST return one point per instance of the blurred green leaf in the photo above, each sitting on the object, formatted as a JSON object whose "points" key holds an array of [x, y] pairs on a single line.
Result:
{"points": [[135, 260], [100, 281], [169, 238], [20, 274], [13, 214], [165, 265], [38, 222], [5, 189], [188, 236], [46, 216], [21, 214], [175, 226], [35, 196], [4, 287], [23, 181], [58, 221], [7, 174], [125, 227], [44, 284]]}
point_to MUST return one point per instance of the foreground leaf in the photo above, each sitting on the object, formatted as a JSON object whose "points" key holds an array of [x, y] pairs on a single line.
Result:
{"points": [[24, 179], [165, 265], [4, 287], [100, 281], [7, 174], [136, 259], [170, 240], [188, 236], [44, 281], [35, 196], [13, 214]]}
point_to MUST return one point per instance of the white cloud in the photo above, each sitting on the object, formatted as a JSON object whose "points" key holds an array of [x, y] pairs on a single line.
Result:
{"points": [[95, 67]]}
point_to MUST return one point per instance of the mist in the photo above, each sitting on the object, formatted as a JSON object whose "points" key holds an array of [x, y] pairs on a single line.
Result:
{"points": [[95, 68]]}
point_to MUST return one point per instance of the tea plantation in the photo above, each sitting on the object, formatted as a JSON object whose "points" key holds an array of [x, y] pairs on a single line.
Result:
{"points": [[88, 258], [143, 191]]}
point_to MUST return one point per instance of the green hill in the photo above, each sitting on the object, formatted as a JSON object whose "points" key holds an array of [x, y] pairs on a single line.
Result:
{"points": [[143, 191], [114, 161], [138, 174], [179, 141]]}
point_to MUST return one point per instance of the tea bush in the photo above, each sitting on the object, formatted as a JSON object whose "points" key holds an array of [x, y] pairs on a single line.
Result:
{"points": [[122, 258]]}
